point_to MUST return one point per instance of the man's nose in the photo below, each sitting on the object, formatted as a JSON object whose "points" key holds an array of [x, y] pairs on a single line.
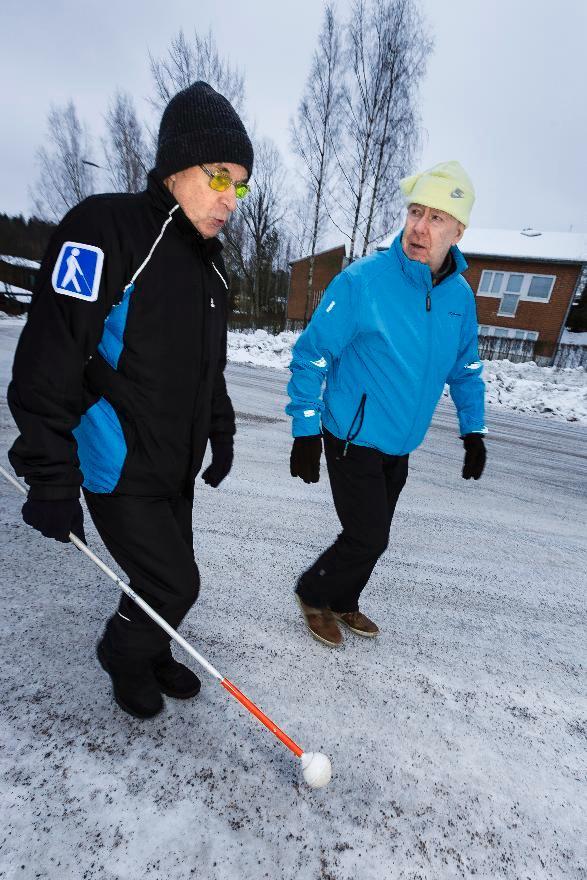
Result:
{"points": [[422, 225], [230, 198]]}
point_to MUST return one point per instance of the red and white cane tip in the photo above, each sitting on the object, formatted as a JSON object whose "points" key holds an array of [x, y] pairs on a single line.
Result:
{"points": [[317, 769]]}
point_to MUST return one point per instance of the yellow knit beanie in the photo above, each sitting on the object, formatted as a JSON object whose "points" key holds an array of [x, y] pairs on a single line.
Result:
{"points": [[446, 187]]}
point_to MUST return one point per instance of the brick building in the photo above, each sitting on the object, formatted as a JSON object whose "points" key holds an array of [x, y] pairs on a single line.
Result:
{"points": [[525, 284], [327, 265]]}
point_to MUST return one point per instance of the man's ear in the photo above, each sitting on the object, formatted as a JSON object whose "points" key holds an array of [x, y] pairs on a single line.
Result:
{"points": [[459, 233]]}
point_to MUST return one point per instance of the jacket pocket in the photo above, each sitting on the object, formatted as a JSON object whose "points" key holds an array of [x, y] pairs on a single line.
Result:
{"points": [[358, 419]]}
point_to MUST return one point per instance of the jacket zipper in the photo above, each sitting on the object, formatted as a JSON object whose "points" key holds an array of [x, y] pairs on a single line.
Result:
{"points": [[427, 370], [360, 414], [205, 362]]}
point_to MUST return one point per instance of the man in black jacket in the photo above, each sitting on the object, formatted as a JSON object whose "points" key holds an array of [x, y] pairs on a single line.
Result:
{"points": [[118, 381]]}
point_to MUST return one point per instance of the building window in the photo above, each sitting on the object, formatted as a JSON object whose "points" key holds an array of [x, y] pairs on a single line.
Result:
{"points": [[514, 284], [540, 287], [502, 342], [536, 288], [508, 305], [506, 332]]}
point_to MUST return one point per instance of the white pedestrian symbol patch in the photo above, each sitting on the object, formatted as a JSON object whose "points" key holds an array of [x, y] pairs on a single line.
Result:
{"points": [[78, 270]]}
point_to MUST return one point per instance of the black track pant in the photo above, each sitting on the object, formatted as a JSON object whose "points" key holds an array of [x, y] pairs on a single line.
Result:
{"points": [[151, 539], [365, 486]]}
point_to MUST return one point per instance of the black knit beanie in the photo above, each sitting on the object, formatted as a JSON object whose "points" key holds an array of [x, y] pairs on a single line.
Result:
{"points": [[199, 125]]}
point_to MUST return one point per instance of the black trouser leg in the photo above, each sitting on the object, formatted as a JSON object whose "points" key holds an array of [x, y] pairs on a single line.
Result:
{"points": [[366, 485], [151, 539]]}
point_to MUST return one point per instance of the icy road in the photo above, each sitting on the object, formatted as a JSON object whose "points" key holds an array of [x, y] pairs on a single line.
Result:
{"points": [[458, 738]]}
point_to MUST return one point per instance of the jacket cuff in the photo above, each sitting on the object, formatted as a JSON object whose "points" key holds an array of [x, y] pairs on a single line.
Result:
{"points": [[41, 492], [468, 425], [309, 425]]}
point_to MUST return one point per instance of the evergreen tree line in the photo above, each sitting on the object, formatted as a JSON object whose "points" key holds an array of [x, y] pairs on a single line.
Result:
{"points": [[354, 134], [25, 238]]}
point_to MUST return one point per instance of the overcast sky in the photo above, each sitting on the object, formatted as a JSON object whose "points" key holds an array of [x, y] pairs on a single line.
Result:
{"points": [[504, 92]]}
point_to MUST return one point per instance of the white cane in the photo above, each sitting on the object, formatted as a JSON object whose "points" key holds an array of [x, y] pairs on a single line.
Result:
{"points": [[316, 767]]}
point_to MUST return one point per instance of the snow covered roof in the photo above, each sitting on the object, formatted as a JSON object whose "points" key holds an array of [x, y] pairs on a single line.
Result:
{"points": [[528, 243], [565, 247], [19, 261], [18, 293]]}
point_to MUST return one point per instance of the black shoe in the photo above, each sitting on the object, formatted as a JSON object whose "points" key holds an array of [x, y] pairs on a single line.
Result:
{"points": [[173, 678], [134, 685]]}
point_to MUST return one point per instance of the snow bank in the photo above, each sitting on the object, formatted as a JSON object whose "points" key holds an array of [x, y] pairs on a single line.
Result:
{"points": [[8, 320], [546, 390], [261, 349], [551, 391]]}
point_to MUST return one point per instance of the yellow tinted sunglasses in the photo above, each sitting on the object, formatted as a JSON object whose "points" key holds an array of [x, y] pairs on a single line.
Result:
{"points": [[221, 181]]}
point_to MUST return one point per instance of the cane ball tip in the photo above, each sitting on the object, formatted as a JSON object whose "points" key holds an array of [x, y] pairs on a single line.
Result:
{"points": [[317, 769]]}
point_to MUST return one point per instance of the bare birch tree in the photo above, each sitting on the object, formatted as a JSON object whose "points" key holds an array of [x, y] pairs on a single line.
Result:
{"points": [[237, 259], [397, 136], [315, 128], [187, 61], [64, 177], [262, 211], [252, 234], [300, 224], [387, 47], [127, 155]]}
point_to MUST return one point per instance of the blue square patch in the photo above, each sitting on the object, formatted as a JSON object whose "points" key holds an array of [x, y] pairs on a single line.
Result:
{"points": [[78, 270]]}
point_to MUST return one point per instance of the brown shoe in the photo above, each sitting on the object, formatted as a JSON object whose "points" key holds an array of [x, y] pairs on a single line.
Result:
{"points": [[321, 623], [358, 622]]}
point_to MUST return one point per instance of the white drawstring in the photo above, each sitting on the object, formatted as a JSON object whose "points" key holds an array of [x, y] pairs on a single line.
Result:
{"points": [[155, 243], [220, 275], [150, 254]]}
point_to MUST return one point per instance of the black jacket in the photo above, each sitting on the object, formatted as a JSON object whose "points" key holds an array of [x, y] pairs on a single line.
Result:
{"points": [[163, 395]]}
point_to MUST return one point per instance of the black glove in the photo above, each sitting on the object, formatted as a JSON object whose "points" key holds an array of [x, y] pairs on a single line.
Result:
{"points": [[475, 456], [304, 461], [55, 519], [222, 456]]}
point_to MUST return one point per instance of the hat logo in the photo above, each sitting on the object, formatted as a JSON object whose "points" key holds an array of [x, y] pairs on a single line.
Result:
{"points": [[457, 194]]}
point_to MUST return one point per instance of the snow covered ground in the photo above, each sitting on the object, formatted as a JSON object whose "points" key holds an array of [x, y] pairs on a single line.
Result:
{"points": [[457, 738], [521, 387]]}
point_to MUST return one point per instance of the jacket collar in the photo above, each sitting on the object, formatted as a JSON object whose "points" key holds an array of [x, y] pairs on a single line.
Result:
{"points": [[447, 269], [163, 201], [419, 274]]}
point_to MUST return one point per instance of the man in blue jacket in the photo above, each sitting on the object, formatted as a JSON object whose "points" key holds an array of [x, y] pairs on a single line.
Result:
{"points": [[390, 331]]}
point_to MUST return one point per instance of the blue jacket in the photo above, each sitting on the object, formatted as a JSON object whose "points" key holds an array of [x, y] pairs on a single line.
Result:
{"points": [[386, 341]]}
